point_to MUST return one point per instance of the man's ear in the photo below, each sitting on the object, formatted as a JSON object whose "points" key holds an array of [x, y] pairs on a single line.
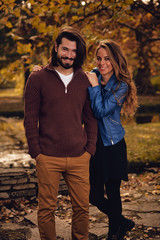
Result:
{"points": [[55, 47]]}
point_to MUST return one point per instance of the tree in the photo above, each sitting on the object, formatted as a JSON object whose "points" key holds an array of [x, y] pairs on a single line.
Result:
{"points": [[29, 28], [137, 27], [146, 28]]}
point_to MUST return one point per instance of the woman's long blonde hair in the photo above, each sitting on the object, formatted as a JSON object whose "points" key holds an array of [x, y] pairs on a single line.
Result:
{"points": [[122, 73]]}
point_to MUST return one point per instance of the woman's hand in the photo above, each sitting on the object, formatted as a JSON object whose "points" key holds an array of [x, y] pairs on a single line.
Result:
{"points": [[36, 68], [92, 77]]}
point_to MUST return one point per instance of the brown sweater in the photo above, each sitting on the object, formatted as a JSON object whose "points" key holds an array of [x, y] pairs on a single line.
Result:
{"points": [[53, 119]]}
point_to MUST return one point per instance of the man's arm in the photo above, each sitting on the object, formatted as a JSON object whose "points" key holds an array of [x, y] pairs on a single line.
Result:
{"points": [[31, 114], [90, 125]]}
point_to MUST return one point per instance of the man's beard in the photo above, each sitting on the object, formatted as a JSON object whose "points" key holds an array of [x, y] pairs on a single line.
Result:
{"points": [[66, 65]]}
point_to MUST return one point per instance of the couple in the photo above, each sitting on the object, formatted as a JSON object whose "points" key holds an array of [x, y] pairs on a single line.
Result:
{"points": [[62, 107]]}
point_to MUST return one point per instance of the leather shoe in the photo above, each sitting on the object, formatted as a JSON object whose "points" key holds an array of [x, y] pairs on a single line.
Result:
{"points": [[112, 237], [125, 226]]}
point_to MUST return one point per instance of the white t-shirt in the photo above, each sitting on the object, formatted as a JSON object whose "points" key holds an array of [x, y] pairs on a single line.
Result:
{"points": [[65, 78]]}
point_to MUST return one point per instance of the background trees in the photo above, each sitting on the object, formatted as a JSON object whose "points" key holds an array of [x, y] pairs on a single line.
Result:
{"points": [[145, 27], [28, 29]]}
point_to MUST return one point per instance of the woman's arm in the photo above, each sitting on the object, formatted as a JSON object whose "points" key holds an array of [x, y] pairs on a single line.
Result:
{"points": [[103, 107]]}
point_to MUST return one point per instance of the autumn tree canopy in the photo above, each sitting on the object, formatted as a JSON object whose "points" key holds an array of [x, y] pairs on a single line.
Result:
{"points": [[28, 29]]}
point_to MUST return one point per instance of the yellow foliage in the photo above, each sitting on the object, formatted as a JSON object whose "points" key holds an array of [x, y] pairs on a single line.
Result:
{"points": [[42, 19], [53, 8], [40, 44], [38, 10], [129, 2], [61, 1], [35, 21], [50, 29], [17, 12], [66, 9], [75, 3], [31, 2], [148, 15], [42, 27], [9, 24], [23, 48], [75, 18], [80, 11], [56, 17]]}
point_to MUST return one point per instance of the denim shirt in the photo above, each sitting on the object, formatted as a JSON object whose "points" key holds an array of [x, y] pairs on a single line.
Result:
{"points": [[106, 106]]}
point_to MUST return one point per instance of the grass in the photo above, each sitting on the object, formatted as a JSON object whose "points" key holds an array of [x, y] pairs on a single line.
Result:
{"points": [[155, 82], [143, 142]]}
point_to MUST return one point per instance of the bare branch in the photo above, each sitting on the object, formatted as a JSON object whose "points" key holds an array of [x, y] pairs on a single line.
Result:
{"points": [[91, 14], [132, 28], [153, 12], [100, 8], [153, 39], [148, 39]]}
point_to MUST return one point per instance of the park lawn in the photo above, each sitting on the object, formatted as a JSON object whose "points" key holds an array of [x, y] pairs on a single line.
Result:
{"points": [[143, 142]]}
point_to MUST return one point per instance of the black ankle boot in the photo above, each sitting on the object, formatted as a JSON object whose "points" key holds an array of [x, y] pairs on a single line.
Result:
{"points": [[112, 237], [125, 226]]}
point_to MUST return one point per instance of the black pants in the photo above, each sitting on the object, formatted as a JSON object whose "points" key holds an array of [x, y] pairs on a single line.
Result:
{"points": [[111, 205]]}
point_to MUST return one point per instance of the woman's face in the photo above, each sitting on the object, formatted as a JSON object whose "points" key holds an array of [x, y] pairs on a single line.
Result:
{"points": [[103, 62]]}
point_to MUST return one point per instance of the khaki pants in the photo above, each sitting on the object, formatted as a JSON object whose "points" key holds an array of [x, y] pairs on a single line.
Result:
{"points": [[75, 171]]}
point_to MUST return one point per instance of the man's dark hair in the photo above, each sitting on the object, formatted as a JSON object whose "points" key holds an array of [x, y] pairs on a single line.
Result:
{"points": [[71, 34]]}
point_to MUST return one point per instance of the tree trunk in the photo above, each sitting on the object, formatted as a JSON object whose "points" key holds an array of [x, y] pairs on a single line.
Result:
{"points": [[143, 83], [143, 77]]}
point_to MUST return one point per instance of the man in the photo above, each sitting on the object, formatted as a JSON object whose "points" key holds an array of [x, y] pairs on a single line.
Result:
{"points": [[56, 104]]}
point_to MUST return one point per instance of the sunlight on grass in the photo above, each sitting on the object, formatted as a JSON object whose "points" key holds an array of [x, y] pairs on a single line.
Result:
{"points": [[155, 82], [14, 92], [143, 142], [11, 93]]}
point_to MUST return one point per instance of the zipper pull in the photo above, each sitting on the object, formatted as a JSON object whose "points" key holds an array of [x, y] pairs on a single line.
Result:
{"points": [[112, 142], [65, 90]]}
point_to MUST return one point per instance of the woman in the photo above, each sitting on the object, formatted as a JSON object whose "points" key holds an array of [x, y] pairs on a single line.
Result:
{"points": [[112, 92]]}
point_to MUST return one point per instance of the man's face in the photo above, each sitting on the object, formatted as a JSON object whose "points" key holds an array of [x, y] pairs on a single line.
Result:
{"points": [[66, 53]]}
